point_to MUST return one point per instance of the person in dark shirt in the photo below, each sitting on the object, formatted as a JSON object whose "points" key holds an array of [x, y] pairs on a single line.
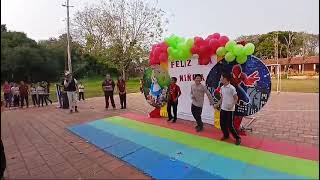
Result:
{"points": [[108, 89], [174, 93], [71, 87], [24, 94], [121, 84]]}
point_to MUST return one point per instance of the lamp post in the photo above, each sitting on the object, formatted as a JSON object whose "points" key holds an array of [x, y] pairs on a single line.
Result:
{"points": [[68, 36]]}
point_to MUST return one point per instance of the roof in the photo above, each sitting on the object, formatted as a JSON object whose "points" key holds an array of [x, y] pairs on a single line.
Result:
{"points": [[294, 60]]}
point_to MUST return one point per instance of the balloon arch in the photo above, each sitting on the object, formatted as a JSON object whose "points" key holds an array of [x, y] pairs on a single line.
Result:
{"points": [[210, 56]]}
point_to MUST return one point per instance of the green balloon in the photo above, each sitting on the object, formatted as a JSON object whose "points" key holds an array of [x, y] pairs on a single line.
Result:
{"points": [[190, 42], [229, 57], [241, 59], [238, 50], [249, 49], [221, 51], [230, 45]]}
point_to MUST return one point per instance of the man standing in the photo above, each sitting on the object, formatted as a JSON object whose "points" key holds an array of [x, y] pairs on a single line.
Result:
{"points": [[24, 93], [71, 87], [6, 93], [122, 92], [108, 89]]}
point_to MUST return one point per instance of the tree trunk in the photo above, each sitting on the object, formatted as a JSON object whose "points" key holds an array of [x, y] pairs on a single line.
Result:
{"points": [[124, 75]]}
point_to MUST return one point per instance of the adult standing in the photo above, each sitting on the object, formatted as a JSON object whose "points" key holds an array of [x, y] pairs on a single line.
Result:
{"points": [[41, 93], [108, 89], [197, 95], [71, 87], [121, 84], [47, 91], [24, 94], [7, 93]]}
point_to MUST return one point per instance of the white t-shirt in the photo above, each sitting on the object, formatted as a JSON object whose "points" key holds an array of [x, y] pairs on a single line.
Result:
{"points": [[228, 103]]}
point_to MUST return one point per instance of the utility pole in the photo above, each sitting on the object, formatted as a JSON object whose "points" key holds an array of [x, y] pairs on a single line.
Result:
{"points": [[68, 36], [276, 54]]}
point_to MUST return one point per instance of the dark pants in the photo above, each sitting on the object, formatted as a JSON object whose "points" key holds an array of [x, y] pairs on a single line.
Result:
{"points": [[174, 106], [47, 97], [123, 100], [196, 112], [34, 99], [42, 99], [226, 123], [81, 96], [16, 100], [7, 98], [24, 98], [3, 161], [109, 95]]}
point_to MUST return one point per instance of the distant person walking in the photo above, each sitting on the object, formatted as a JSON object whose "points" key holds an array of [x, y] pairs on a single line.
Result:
{"points": [[24, 94], [108, 89], [47, 91], [121, 84], [81, 91], [71, 87]]}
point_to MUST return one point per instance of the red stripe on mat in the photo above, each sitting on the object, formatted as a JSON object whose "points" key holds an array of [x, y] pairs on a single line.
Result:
{"points": [[264, 144]]}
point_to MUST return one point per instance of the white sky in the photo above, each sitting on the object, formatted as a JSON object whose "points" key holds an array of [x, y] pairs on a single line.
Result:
{"points": [[42, 19]]}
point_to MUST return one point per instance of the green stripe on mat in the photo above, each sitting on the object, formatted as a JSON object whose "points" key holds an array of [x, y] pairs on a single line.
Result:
{"points": [[287, 164]]}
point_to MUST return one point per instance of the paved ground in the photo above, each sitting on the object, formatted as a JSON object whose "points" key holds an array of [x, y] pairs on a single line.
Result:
{"points": [[37, 144]]}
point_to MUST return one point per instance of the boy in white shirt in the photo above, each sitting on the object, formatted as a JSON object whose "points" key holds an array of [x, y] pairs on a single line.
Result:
{"points": [[228, 102]]}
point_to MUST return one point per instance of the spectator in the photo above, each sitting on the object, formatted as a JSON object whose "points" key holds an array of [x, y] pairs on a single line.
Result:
{"points": [[47, 91], [16, 95], [34, 95], [7, 93], [121, 84], [41, 93], [71, 86], [81, 91], [24, 94], [108, 89], [141, 86]]}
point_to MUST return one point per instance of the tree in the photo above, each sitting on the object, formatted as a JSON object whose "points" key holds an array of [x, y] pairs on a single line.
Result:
{"points": [[120, 31]]}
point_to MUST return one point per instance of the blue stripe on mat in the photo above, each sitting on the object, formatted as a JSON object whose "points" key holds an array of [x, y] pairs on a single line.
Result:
{"points": [[209, 162], [153, 163]]}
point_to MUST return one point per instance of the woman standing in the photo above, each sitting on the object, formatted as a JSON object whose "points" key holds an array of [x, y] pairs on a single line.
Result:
{"points": [[34, 94], [121, 84], [47, 91]]}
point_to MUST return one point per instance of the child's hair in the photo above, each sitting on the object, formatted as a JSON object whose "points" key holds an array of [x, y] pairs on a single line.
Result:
{"points": [[174, 79], [197, 75], [227, 76]]}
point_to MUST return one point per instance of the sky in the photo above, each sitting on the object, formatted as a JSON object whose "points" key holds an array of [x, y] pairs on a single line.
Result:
{"points": [[42, 19]]}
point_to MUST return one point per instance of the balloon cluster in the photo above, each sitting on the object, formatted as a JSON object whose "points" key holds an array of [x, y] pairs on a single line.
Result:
{"points": [[179, 48], [206, 48], [236, 51], [158, 54]]}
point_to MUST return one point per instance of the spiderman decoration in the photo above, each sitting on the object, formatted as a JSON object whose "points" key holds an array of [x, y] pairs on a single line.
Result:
{"points": [[251, 80]]}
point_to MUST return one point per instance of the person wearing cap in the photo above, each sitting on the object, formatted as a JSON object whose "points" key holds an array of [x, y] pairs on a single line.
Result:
{"points": [[71, 87]]}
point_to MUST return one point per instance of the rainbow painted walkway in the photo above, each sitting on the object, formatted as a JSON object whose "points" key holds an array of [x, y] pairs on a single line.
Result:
{"points": [[167, 153]]}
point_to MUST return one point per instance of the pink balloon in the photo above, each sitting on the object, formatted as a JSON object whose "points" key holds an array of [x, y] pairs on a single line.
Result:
{"points": [[223, 40]]}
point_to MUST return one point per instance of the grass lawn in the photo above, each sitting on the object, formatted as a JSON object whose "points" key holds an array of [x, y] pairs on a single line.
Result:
{"points": [[93, 86], [297, 85]]}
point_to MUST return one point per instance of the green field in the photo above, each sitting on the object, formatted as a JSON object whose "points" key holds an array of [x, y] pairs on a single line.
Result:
{"points": [[93, 86]]}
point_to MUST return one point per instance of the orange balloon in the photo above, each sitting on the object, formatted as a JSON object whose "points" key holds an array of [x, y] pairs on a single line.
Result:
{"points": [[164, 66], [219, 59]]}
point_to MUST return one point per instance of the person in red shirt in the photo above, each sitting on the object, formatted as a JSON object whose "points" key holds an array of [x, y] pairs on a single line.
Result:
{"points": [[24, 93], [6, 93], [121, 84], [174, 93]]}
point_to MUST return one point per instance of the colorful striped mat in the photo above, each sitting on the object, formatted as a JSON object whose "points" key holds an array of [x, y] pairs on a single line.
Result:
{"points": [[165, 153]]}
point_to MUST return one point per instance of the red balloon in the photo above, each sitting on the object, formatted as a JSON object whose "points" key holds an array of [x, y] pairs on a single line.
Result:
{"points": [[163, 57], [223, 40], [195, 50], [216, 36]]}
